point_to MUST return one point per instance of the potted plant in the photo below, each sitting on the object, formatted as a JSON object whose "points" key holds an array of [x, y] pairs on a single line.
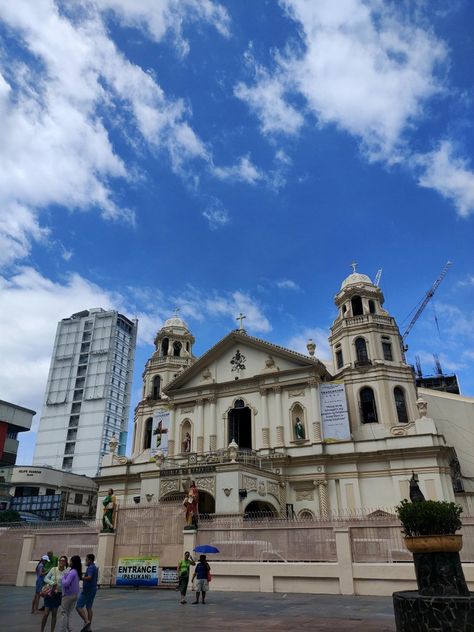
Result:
{"points": [[430, 534], [430, 526]]}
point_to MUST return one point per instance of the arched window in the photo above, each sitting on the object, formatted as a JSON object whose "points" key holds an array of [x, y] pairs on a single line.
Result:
{"points": [[361, 351], [356, 303], [368, 410], [371, 307], [239, 403], [156, 387], [147, 436], [164, 346], [177, 348], [306, 514], [401, 405], [339, 357]]}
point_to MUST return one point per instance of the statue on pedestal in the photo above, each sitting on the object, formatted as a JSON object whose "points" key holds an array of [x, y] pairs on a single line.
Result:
{"points": [[299, 429], [191, 504], [187, 442], [110, 506]]}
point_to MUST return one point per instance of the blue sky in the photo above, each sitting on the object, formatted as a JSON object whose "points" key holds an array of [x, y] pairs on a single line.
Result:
{"points": [[232, 156]]}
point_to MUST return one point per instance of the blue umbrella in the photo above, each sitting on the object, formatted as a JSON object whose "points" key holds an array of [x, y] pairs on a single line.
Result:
{"points": [[206, 548]]}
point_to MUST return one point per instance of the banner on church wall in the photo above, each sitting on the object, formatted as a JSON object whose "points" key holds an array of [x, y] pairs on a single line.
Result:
{"points": [[334, 412], [159, 432]]}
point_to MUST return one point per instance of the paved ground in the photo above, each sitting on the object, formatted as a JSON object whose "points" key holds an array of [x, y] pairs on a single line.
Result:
{"points": [[145, 610]]}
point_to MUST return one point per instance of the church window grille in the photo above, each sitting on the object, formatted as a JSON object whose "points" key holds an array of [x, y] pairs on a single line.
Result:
{"points": [[356, 303], [371, 307], [361, 351], [147, 437], [368, 409], [177, 348], [339, 359], [387, 351], [401, 405]]}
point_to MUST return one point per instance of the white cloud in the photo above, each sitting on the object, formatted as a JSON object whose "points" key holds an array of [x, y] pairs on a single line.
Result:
{"points": [[363, 67], [288, 284], [158, 18], [32, 305], [236, 303], [267, 98], [216, 215], [243, 171], [450, 176], [55, 109], [319, 336]]}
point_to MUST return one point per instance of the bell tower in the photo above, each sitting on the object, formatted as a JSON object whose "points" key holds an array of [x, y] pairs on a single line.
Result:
{"points": [[173, 354], [368, 357]]}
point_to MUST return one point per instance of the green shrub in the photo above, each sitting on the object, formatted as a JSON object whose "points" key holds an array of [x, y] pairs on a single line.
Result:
{"points": [[429, 517], [9, 515]]}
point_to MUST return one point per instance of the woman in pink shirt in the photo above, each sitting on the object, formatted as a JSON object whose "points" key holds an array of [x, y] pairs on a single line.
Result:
{"points": [[71, 590]]}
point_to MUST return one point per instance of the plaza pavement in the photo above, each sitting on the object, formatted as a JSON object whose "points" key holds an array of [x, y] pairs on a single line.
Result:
{"points": [[159, 610]]}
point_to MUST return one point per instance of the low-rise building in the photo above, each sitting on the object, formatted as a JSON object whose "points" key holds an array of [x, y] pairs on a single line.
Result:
{"points": [[49, 493]]}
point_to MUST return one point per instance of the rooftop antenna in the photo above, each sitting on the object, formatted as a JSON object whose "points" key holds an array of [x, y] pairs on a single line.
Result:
{"points": [[378, 276], [438, 369], [419, 370]]}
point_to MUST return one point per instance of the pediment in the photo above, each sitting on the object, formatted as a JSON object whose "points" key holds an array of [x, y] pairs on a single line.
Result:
{"points": [[241, 356]]}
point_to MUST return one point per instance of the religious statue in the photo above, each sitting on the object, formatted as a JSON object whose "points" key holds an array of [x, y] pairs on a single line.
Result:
{"points": [[191, 503], [422, 407], [416, 495], [187, 442], [299, 429], [110, 507]]}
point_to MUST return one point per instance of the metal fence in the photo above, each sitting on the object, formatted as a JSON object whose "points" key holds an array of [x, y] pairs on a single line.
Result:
{"points": [[260, 537]]}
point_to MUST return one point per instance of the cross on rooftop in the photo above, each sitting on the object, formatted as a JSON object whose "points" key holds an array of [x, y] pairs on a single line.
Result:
{"points": [[176, 310], [240, 317], [354, 266]]}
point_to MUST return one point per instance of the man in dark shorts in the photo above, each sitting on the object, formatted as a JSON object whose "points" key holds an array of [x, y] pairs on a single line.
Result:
{"points": [[89, 589]]}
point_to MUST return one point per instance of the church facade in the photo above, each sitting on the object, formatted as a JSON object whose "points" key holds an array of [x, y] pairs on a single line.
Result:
{"points": [[249, 422]]}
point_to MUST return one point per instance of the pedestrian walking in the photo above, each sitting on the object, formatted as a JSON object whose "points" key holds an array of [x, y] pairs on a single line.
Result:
{"points": [[53, 589], [183, 574], [89, 590], [203, 573], [70, 585]]}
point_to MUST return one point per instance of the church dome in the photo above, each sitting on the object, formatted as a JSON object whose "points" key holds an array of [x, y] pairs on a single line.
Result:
{"points": [[356, 278], [175, 323]]}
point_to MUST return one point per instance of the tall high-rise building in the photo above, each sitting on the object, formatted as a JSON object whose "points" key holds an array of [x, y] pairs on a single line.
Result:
{"points": [[87, 398]]}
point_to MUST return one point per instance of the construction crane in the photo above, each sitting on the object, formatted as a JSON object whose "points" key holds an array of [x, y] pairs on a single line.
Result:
{"points": [[427, 299], [378, 276]]}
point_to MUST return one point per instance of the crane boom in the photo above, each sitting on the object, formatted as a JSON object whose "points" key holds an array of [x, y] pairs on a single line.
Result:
{"points": [[427, 299]]}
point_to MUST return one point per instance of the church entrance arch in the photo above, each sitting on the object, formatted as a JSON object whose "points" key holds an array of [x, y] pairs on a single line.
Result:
{"points": [[239, 425], [207, 503], [259, 507]]}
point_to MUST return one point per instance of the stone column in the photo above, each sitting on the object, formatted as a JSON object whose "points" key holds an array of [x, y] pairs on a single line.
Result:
{"points": [[265, 422], [322, 486], [280, 431], [173, 432], [200, 426], [315, 410], [105, 557], [189, 540], [212, 424], [25, 558]]}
